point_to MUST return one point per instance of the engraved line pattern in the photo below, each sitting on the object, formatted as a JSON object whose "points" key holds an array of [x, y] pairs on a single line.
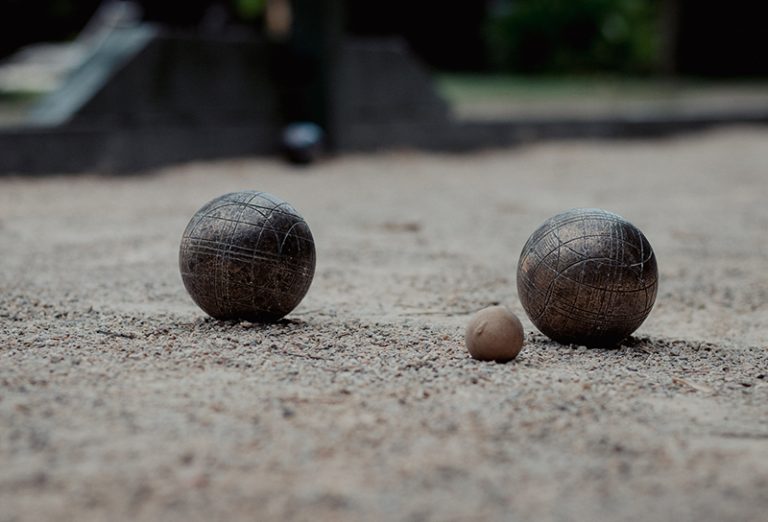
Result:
{"points": [[586, 274], [247, 255]]}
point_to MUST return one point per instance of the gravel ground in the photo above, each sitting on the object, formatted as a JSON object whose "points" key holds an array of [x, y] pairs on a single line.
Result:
{"points": [[119, 400]]}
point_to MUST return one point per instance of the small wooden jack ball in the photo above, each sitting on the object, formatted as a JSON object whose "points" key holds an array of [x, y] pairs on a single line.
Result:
{"points": [[494, 334]]}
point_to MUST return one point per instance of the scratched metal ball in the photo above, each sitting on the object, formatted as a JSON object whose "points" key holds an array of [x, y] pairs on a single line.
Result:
{"points": [[247, 255], [587, 276]]}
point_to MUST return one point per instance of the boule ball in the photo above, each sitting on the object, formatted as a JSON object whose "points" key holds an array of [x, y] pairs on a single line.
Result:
{"points": [[587, 276], [247, 255], [494, 334], [302, 142]]}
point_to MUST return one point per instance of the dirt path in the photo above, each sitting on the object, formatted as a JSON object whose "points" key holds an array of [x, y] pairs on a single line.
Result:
{"points": [[120, 401]]}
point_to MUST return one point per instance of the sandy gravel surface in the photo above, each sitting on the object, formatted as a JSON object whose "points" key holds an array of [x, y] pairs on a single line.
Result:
{"points": [[119, 400]]}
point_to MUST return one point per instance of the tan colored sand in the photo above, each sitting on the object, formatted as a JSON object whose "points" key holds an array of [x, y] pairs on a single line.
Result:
{"points": [[120, 401]]}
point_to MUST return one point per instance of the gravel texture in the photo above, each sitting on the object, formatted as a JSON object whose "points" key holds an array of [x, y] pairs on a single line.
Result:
{"points": [[120, 400]]}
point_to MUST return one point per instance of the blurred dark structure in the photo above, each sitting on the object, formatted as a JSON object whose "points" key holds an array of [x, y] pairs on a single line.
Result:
{"points": [[303, 62], [148, 96], [200, 80], [697, 37]]}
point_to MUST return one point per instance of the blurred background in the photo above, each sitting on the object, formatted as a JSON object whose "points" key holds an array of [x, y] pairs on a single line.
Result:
{"points": [[520, 37], [487, 59]]}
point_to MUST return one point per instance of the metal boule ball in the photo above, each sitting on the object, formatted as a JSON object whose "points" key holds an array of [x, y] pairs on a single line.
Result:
{"points": [[587, 276], [302, 142], [247, 255]]}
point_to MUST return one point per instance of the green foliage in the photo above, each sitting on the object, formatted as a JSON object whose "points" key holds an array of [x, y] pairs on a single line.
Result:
{"points": [[249, 9], [575, 36]]}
